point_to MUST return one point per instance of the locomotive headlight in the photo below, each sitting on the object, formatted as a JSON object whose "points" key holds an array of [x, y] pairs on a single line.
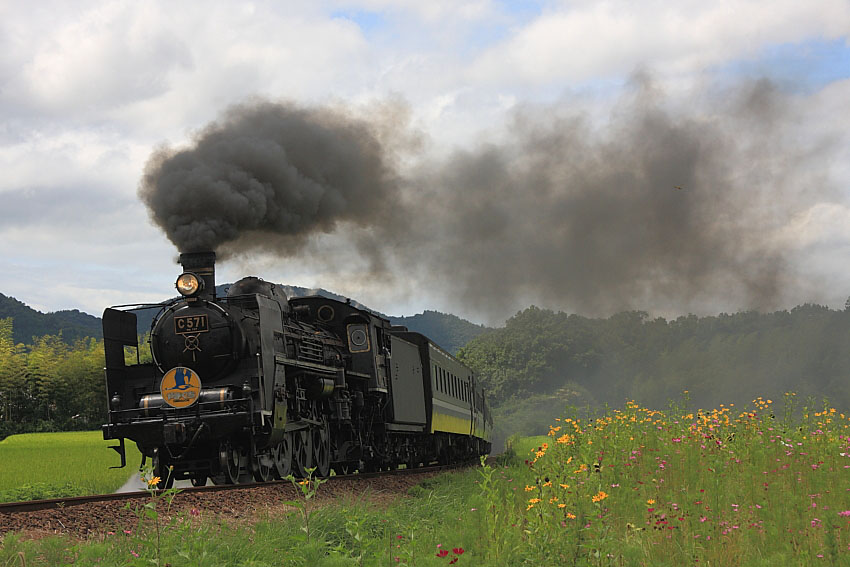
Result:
{"points": [[188, 284]]}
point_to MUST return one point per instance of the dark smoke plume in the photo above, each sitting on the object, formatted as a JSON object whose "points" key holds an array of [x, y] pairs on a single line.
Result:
{"points": [[657, 209], [270, 171]]}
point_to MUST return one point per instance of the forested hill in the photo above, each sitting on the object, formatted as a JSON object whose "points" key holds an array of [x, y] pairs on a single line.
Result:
{"points": [[449, 331], [542, 361], [30, 323]]}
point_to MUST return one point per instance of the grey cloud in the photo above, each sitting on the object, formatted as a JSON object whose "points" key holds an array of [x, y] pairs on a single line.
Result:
{"points": [[56, 208]]}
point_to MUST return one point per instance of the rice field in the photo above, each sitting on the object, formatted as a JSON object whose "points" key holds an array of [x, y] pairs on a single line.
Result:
{"points": [[50, 465]]}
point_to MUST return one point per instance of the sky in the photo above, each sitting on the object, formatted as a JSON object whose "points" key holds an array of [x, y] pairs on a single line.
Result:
{"points": [[90, 90]]}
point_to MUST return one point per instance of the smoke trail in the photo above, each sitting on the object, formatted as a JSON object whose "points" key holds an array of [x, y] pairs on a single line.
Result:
{"points": [[658, 209]]}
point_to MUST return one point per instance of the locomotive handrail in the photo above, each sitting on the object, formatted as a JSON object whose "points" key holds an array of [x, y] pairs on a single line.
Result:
{"points": [[144, 305], [280, 359]]}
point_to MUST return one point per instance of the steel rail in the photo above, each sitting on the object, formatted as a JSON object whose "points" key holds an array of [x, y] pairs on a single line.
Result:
{"points": [[70, 501]]}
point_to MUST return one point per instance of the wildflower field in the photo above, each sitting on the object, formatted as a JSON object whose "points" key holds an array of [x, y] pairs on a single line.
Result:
{"points": [[645, 487], [763, 485]]}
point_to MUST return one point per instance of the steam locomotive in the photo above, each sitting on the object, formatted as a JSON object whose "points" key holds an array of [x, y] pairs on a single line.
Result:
{"points": [[254, 385]]}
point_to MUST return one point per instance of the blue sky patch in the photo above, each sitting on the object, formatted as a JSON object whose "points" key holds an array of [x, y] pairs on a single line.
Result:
{"points": [[806, 66]]}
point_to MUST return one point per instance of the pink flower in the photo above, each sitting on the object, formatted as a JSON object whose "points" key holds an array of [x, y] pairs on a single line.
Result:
{"points": [[133, 553], [457, 550], [442, 553], [844, 514]]}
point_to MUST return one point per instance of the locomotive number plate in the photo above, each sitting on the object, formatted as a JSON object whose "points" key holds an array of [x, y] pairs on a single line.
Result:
{"points": [[191, 324]]}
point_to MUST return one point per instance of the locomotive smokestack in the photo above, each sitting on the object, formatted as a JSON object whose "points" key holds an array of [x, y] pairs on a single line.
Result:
{"points": [[202, 264]]}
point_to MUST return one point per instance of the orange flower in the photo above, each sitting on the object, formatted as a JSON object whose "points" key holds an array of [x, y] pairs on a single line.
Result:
{"points": [[599, 496]]}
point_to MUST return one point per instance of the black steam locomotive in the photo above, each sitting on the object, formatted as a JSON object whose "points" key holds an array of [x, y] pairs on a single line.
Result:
{"points": [[255, 385]]}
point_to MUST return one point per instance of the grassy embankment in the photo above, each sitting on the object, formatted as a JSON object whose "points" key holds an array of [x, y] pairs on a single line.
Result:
{"points": [[50, 465], [630, 487]]}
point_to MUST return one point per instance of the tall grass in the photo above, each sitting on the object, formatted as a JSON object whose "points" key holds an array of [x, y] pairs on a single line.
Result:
{"points": [[48, 465], [645, 487], [634, 486]]}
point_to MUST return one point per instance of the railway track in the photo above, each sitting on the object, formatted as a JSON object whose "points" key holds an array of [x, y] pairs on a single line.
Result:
{"points": [[8, 508]]}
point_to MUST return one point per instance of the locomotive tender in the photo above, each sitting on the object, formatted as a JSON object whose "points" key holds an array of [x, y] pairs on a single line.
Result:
{"points": [[255, 385]]}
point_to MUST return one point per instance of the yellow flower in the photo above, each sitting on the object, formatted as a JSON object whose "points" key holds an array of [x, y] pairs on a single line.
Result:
{"points": [[534, 501], [599, 496], [547, 483], [562, 505], [540, 454], [571, 516], [650, 501], [565, 486], [154, 481], [529, 488]]}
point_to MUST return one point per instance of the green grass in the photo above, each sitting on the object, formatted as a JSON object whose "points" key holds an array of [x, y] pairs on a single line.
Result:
{"points": [[50, 465], [524, 445], [629, 487]]}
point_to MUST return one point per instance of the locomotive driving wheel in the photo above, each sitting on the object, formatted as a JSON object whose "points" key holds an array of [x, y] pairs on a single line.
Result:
{"points": [[322, 450], [230, 460], [261, 467], [282, 457], [302, 452]]}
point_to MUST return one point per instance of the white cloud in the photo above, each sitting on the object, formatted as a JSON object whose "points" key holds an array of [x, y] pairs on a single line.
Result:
{"points": [[590, 40]]}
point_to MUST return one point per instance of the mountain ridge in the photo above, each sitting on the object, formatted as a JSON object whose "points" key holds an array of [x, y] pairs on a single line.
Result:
{"points": [[447, 330]]}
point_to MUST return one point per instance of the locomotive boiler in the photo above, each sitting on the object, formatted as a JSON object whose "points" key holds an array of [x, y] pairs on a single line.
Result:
{"points": [[255, 385]]}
